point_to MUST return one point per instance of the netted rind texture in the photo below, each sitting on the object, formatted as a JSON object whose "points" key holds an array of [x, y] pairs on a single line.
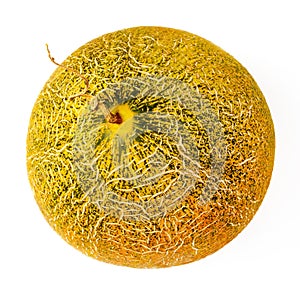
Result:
{"points": [[196, 112]]}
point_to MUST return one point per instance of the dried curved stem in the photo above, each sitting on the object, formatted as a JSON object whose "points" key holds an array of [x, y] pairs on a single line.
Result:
{"points": [[112, 118], [86, 81]]}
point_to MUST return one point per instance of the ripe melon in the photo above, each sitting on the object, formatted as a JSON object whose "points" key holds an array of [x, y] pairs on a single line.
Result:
{"points": [[162, 160]]}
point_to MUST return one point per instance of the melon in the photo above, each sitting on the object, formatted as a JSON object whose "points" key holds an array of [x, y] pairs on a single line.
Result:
{"points": [[160, 159]]}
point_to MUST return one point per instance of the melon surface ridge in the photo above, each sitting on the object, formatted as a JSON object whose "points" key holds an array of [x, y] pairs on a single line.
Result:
{"points": [[164, 160]]}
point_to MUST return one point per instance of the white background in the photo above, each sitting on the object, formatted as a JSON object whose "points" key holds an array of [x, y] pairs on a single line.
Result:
{"points": [[262, 35]]}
